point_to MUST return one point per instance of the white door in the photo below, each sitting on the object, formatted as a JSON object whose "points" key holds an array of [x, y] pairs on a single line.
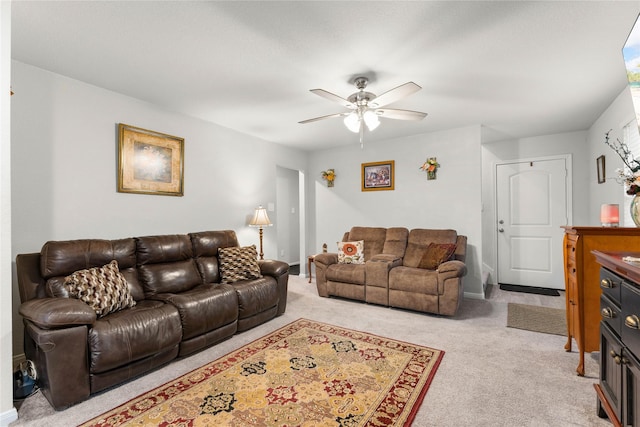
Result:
{"points": [[531, 206]]}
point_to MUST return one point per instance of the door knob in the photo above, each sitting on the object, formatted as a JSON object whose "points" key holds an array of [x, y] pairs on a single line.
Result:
{"points": [[501, 222], [501, 230]]}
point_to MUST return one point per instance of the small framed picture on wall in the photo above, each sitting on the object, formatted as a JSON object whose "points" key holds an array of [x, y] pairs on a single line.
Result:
{"points": [[600, 167], [378, 176]]}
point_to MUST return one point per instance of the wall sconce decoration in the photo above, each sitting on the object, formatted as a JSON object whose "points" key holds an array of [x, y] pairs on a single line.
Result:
{"points": [[610, 215], [430, 166], [260, 219], [329, 175]]}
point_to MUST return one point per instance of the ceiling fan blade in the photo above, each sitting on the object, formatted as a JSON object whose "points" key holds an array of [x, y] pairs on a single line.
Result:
{"points": [[390, 113], [395, 94], [330, 116], [333, 97]]}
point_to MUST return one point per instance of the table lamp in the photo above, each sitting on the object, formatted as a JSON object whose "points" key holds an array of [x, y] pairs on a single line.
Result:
{"points": [[260, 219]]}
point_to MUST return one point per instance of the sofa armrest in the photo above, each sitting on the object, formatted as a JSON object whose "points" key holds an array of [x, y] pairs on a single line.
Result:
{"points": [[56, 313], [279, 270], [270, 267]]}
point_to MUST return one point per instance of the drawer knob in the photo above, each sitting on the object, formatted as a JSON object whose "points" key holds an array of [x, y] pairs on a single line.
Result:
{"points": [[618, 358], [632, 322], [606, 284], [608, 313]]}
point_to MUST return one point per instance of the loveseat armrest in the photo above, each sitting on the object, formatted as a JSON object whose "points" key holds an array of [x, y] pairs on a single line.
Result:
{"points": [[377, 277], [450, 289], [56, 313], [279, 270], [453, 268], [322, 262]]}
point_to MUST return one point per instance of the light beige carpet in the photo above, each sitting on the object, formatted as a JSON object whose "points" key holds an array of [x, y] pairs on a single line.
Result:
{"points": [[537, 319]]}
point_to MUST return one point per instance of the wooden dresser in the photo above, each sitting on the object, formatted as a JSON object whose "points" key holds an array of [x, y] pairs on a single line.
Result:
{"points": [[582, 280]]}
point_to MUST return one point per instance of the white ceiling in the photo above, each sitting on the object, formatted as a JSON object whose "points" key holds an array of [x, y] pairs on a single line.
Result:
{"points": [[520, 68]]}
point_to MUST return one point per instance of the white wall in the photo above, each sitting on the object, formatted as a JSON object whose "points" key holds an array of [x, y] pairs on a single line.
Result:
{"points": [[619, 113], [7, 411], [450, 201], [572, 143], [64, 140]]}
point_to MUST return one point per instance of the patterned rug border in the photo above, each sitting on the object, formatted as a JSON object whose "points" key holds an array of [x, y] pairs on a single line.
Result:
{"points": [[247, 350]]}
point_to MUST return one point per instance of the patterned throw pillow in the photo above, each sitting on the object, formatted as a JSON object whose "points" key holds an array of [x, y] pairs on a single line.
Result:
{"points": [[351, 252], [436, 254], [238, 263], [104, 288]]}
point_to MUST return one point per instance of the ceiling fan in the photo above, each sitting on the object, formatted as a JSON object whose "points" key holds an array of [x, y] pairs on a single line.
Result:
{"points": [[366, 107]]}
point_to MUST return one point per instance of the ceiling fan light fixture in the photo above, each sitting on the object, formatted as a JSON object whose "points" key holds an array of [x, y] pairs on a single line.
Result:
{"points": [[371, 119], [352, 122]]}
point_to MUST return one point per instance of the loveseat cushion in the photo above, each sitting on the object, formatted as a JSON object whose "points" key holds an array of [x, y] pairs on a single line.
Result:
{"points": [[129, 335], [346, 273], [414, 280], [240, 263], [419, 240], [436, 254], [373, 237], [104, 288]]}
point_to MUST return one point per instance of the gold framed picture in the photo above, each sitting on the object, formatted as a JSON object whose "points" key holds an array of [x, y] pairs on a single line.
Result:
{"points": [[378, 176], [149, 162]]}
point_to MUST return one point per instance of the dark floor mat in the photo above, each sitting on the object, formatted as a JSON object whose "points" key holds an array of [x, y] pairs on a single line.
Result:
{"points": [[530, 290]]}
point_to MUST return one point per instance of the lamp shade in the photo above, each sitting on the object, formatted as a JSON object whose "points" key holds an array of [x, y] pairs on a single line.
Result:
{"points": [[352, 122], [610, 215], [260, 218]]}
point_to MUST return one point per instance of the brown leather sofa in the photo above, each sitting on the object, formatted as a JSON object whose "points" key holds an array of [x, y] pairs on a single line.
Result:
{"points": [[181, 307], [393, 272]]}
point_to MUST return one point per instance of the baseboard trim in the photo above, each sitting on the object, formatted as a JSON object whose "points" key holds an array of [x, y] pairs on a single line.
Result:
{"points": [[474, 295], [7, 417], [18, 359]]}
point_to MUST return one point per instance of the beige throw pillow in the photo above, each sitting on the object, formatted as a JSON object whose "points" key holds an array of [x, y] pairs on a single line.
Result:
{"points": [[104, 288], [238, 263], [351, 252]]}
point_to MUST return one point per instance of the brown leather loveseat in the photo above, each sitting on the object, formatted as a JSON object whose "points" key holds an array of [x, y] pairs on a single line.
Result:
{"points": [[420, 270], [178, 302]]}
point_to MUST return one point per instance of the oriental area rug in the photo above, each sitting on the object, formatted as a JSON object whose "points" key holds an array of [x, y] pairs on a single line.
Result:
{"points": [[304, 374]]}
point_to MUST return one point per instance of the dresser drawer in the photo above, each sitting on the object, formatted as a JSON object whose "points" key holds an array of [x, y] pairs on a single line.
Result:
{"points": [[630, 329], [611, 314], [610, 283]]}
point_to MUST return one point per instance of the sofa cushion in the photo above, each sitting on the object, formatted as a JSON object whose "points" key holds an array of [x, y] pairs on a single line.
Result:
{"points": [[239, 263], [205, 250], [351, 252], [104, 289], [436, 254], [126, 336], [420, 239], [59, 259]]}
